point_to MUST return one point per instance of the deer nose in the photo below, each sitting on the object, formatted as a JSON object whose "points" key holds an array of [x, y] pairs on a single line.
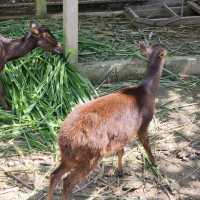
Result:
{"points": [[58, 49]]}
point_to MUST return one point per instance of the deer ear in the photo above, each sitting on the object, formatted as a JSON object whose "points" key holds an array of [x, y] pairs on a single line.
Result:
{"points": [[34, 24], [145, 49], [35, 31], [34, 28]]}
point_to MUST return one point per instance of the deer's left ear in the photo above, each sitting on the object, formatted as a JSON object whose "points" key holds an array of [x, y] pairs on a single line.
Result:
{"points": [[145, 49], [34, 28]]}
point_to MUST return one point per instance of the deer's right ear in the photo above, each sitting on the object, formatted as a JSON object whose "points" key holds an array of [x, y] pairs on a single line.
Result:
{"points": [[34, 28], [145, 49]]}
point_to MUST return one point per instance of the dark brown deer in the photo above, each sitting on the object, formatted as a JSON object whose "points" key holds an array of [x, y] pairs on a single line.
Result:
{"points": [[105, 125], [38, 36], [11, 49]]}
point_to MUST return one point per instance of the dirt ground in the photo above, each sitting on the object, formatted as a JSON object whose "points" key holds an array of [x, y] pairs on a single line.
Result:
{"points": [[175, 140]]}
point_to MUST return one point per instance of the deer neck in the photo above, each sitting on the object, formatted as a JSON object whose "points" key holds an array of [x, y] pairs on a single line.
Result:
{"points": [[153, 74], [19, 47]]}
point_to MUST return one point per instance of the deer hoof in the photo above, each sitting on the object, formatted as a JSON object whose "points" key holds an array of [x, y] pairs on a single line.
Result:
{"points": [[119, 173]]}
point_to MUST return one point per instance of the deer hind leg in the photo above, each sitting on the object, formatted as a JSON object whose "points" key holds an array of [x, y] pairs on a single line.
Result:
{"points": [[143, 137], [75, 177], [55, 177], [119, 170]]}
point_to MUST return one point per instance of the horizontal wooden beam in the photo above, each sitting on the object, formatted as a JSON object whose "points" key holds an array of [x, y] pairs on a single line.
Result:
{"points": [[16, 5], [60, 3], [60, 15], [177, 21], [102, 14], [167, 21], [109, 1]]}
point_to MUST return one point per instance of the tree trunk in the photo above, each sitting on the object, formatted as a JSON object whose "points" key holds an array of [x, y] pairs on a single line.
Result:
{"points": [[41, 8]]}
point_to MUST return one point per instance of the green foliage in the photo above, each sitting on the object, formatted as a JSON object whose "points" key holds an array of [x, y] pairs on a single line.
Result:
{"points": [[41, 89]]}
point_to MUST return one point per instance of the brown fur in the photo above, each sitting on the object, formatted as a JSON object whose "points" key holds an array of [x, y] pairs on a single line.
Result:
{"points": [[11, 49], [105, 125]]}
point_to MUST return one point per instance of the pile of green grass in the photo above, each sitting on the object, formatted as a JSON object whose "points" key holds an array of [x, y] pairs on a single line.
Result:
{"points": [[41, 89]]}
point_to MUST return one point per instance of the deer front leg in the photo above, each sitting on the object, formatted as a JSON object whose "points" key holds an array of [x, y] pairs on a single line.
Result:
{"points": [[143, 137], [2, 64], [119, 170], [1, 68], [3, 101]]}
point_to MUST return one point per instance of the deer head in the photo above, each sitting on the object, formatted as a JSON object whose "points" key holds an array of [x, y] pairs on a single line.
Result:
{"points": [[45, 38]]}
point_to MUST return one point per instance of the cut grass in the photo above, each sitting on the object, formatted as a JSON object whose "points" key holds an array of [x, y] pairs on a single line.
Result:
{"points": [[41, 89]]}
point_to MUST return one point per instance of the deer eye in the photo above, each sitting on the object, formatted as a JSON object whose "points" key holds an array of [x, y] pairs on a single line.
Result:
{"points": [[162, 54]]}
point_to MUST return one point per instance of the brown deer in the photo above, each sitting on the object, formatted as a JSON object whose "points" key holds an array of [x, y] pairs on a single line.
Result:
{"points": [[105, 125], [11, 49]]}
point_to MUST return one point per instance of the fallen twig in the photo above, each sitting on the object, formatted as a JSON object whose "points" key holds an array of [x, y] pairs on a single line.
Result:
{"points": [[9, 174], [13, 189]]}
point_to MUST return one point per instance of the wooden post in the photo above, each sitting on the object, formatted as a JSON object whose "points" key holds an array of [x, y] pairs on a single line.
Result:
{"points": [[182, 8], [70, 25], [41, 8]]}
